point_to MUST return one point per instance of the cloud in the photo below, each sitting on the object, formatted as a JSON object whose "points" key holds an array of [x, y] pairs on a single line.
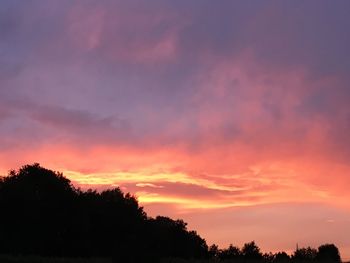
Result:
{"points": [[51, 122], [83, 123], [213, 105]]}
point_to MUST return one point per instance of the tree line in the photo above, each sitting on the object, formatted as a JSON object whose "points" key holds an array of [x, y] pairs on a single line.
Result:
{"points": [[42, 213], [250, 252]]}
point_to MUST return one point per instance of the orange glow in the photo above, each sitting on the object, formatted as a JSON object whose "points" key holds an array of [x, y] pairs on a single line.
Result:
{"points": [[159, 178]]}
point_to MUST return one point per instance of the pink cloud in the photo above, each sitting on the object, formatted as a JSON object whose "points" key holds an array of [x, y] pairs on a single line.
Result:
{"points": [[97, 29]]}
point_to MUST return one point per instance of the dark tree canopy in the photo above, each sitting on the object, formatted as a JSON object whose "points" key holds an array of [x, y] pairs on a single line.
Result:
{"points": [[305, 254], [42, 213], [231, 252], [251, 251], [328, 253], [281, 257]]}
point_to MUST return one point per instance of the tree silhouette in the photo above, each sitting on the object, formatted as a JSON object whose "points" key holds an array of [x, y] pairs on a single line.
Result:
{"points": [[304, 254], [328, 253], [230, 253], [214, 251], [171, 238], [281, 257], [36, 209], [251, 251], [42, 213]]}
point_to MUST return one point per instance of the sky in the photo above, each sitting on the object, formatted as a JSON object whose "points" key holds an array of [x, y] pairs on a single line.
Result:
{"points": [[233, 115]]}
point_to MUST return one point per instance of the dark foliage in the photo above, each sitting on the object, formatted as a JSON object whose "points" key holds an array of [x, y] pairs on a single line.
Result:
{"points": [[43, 214], [305, 254], [251, 251], [231, 252], [328, 253], [281, 257]]}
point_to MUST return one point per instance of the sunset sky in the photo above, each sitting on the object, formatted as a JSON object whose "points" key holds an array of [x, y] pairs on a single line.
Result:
{"points": [[232, 115]]}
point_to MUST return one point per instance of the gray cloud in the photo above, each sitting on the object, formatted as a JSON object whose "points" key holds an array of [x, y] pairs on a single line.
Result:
{"points": [[46, 59]]}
